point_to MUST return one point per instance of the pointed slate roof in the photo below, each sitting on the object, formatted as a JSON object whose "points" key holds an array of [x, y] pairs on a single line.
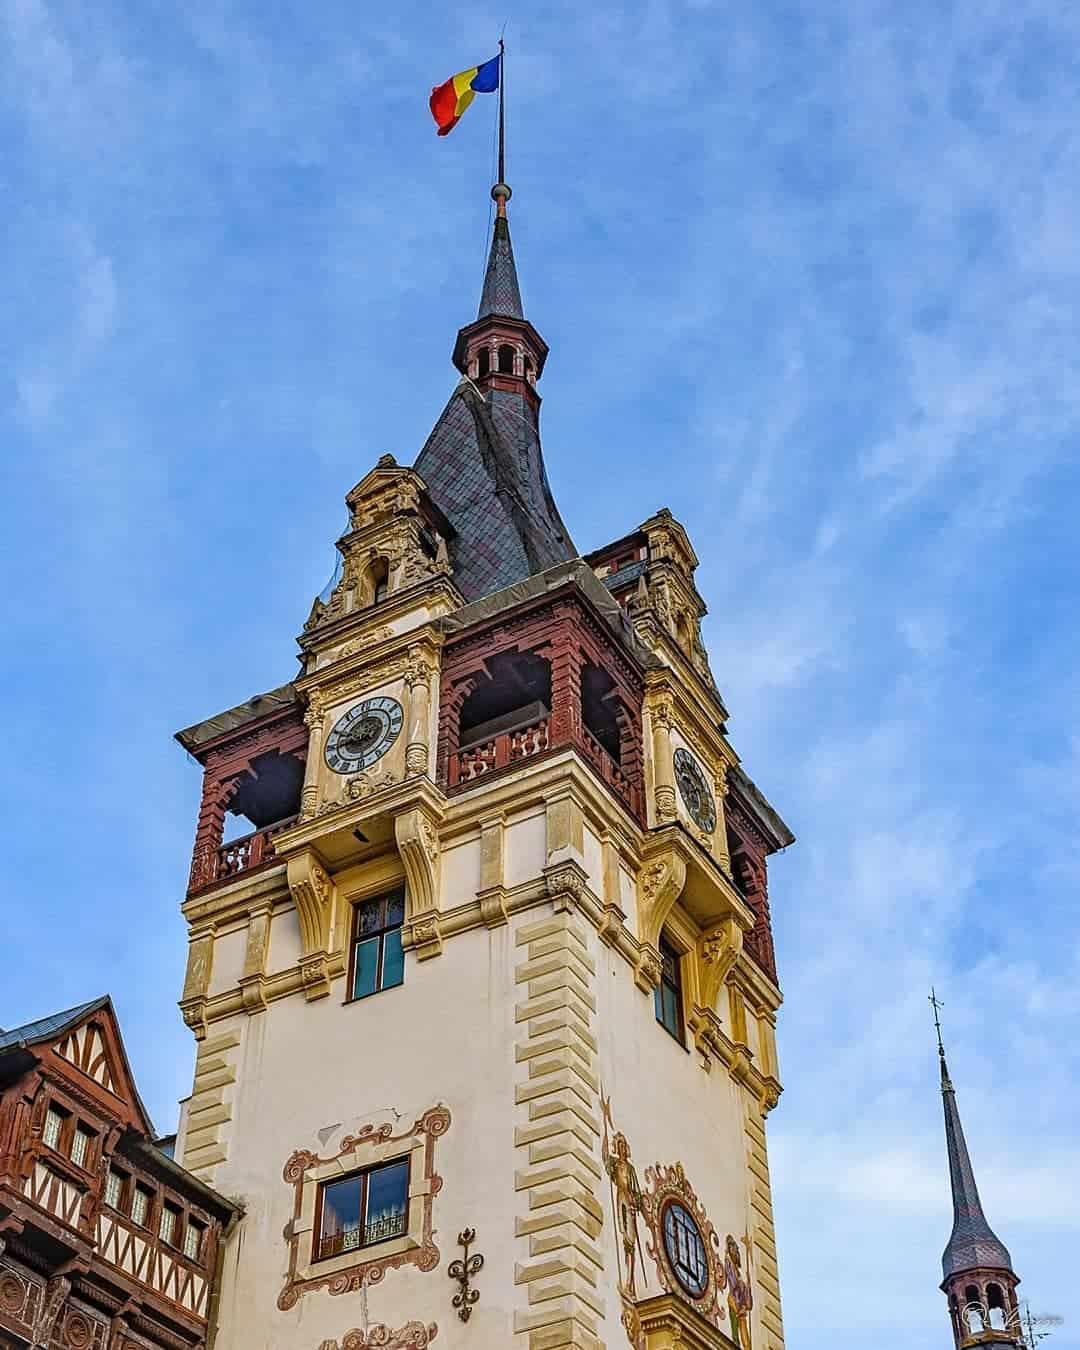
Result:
{"points": [[483, 464], [484, 469], [973, 1244], [501, 294]]}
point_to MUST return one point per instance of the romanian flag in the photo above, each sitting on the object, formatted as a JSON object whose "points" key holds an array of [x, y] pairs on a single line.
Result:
{"points": [[451, 99]]}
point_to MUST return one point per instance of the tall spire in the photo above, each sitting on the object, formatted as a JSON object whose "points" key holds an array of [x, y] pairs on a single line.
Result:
{"points": [[975, 1258], [483, 463], [501, 295]]}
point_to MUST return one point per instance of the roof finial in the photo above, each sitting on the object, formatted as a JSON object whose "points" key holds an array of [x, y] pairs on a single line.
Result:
{"points": [[500, 192], [936, 1003]]}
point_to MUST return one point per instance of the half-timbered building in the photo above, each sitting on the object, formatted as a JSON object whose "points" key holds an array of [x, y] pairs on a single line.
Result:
{"points": [[106, 1243]]}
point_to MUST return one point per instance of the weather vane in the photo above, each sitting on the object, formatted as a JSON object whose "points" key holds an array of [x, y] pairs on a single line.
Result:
{"points": [[937, 1004]]}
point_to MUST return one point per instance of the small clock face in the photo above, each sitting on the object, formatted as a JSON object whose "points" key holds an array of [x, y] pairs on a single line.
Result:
{"points": [[695, 791], [363, 734], [684, 1248]]}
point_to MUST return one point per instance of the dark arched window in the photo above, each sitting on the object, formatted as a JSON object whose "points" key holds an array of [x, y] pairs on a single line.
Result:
{"points": [[506, 360], [483, 361], [995, 1302], [378, 581]]}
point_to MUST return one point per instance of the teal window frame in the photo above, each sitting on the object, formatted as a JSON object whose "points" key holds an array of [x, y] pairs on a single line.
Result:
{"points": [[376, 956], [668, 994]]}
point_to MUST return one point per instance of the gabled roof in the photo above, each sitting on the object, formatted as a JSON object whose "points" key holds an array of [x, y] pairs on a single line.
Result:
{"points": [[49, 1028], [46, 1032]]}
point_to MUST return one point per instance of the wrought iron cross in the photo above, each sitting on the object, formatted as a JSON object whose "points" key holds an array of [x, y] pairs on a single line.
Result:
{"points": [[936, 1004]]}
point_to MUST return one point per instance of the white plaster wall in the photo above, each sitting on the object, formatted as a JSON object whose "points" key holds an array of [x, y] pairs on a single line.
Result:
{"points": [[671, 1110], [310, 1071]]}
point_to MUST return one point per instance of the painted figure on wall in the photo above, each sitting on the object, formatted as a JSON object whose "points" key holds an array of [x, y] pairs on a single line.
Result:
{"points": [[626, 1198], [740, 1295]]}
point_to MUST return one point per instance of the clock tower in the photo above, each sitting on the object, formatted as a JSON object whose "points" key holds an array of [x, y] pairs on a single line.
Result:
{"points": [[483, 990]]}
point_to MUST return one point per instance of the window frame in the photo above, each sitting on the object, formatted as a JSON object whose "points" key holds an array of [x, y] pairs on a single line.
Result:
{"points": [[124, 1179], [383, 897], [363, 1174], [89, 1154], [176, 1211], [147, 1220], [193, 1224], [64, 1116], [676, 985]]}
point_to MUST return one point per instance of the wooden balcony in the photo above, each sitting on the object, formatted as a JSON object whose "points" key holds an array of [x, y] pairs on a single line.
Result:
{"points": [[214, 866], [476, 760]]}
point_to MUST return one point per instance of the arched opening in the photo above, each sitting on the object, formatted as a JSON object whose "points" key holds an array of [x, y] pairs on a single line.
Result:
{"points": [[530, 370], [376, 581], [600, 708], [973, 1310], [506, 360], [483, 362], [995, 1306], [684, 631]]}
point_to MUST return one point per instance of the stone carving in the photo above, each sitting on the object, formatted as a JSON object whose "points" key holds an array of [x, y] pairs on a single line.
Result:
{"points": [[364, 784], [412, 1336]]}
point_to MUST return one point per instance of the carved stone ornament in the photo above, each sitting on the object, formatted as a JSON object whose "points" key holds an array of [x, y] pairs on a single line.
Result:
{"points": [[669, 1198], [659, 885], [412, 1336], [370, 1268]]}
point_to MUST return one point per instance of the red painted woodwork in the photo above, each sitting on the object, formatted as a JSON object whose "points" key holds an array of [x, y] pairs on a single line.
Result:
{"points": [[748, 853], [563, 630], [56, 1272], [226, 761]]}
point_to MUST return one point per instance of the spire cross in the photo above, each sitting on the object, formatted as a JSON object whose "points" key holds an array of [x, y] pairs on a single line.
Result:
{"points": [[936, 1003]]}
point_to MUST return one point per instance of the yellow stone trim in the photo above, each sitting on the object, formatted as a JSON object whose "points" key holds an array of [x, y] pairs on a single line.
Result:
{"points": [[670, 1323], [559, 1176]]}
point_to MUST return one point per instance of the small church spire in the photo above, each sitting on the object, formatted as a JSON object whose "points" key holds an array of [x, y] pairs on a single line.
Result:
{"points": [[979, 1280]]}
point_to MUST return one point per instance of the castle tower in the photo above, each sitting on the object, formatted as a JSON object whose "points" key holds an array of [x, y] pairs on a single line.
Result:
{"points": [[491, 973], [979, 1280]]}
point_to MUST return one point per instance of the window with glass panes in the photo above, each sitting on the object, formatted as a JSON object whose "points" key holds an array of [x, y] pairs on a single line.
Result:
{"points": [[140, 1205], [668, 994], [80, 1146], [168, 1224], [369, 1206], [193, 1239], [378, 961], [54, 1125], [114, 1189]]}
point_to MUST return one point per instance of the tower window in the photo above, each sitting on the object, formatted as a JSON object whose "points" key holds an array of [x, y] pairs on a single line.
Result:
{"points": [[483, 362], [506, 360], [378, 961], [367, 1207], [378, 581], [668, 994]]}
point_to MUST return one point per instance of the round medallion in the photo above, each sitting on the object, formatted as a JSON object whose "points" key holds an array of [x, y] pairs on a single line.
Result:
{"points": [[695, 791], [12, 1293], [363, 734], [684, 1248], [78, 1332]]}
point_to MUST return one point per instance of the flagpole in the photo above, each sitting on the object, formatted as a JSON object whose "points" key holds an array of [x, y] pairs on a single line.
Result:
{"points": [[502, 111]]}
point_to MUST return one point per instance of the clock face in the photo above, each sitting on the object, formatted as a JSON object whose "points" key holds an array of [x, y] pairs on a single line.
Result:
{"points": [[684, 1248], [363, 734], [695, 791]]}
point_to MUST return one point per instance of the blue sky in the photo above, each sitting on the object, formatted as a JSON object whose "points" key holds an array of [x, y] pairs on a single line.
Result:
{"points": [[810, 274]]}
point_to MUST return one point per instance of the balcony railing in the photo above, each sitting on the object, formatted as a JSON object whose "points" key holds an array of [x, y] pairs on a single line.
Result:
{"points": [[477, 760], [237, 856], [605, 765]]}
